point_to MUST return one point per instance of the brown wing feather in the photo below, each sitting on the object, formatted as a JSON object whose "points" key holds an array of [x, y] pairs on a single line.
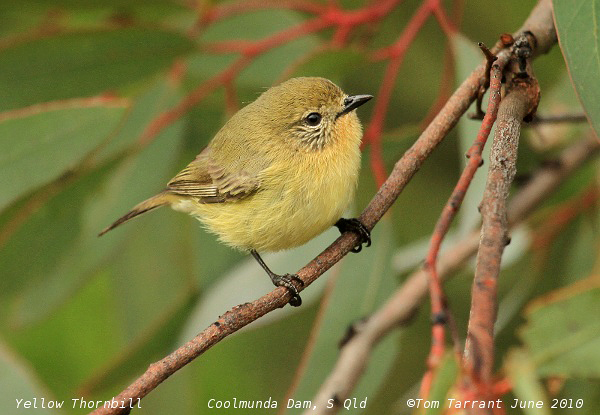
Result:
{"points": [[203, 179], [210, 183]]}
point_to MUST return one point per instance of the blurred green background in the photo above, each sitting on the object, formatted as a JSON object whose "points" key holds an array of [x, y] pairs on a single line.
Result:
{"points": [[81, 316]]}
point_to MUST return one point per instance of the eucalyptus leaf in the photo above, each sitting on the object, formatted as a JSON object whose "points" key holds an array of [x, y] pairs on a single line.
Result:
{"points": [[577, 26], [38, 148], [84, 63], [135, 179], [530, 393], [20, 387], [560, 336]]}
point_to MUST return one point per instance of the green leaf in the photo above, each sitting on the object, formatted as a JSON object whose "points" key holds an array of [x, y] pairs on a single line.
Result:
{"points": [[38, 148], [134, 180], [521, 371], [152, 270], [17, 16], [583, 391], [332, 64], [18, 383], [57, 229], [64, 349], [158, 97], [578, 27], [445, 378], [562, 338], [83, 64], [13, 20], [51, 232]]}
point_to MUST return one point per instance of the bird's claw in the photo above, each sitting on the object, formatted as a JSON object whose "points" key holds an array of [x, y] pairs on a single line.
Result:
{"points": [[356, 226], [286, 281]]}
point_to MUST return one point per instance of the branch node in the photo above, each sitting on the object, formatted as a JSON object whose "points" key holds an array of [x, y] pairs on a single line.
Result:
{"points": [[439, 318], [487, 53], [336, 401], [490, 59], [507, 40], [352, 330], [522, 51]]}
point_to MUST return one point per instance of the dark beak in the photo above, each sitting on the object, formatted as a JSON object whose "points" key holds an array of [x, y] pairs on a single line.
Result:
{"points": [[352, 102]]}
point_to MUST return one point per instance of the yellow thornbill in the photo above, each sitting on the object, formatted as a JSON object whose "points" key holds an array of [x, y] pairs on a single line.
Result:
{"points": [[280, 172]]}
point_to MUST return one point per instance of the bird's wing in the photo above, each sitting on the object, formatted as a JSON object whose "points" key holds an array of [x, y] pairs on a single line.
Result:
{"points": [[209, 182]]}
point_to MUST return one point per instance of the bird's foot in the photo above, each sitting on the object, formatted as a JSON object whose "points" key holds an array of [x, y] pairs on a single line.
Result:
{"points": [[286, 280], [356, 226]]}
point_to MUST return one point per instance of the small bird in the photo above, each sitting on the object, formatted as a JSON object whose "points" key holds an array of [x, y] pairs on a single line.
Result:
{"points": [[280, 172]]}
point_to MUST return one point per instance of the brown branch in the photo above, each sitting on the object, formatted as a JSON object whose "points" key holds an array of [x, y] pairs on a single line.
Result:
{"points": [[405, 302], [405, 168], [439, 307], [521, 100]]}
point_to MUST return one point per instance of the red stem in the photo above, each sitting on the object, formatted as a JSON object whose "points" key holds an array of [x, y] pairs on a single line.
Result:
{"points": [[327, 17], [396, 53], [223, 11], [439, 309]]}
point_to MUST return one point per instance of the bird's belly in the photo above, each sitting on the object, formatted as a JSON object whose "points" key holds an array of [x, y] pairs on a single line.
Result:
{"points": [[279, 216]]}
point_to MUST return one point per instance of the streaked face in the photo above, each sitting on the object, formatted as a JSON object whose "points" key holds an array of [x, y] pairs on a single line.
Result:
{"points": [[314, 111]]}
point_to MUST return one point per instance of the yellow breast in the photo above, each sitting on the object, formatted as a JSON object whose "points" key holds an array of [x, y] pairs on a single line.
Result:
{"points": [[300, 196]]}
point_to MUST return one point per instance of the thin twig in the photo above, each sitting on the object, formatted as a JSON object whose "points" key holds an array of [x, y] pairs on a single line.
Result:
{"points": [[439, 308], [521, 99], [489, 58]]}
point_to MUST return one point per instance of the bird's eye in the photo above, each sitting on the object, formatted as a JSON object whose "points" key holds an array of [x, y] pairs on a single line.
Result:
{"points": [[313, 119]]}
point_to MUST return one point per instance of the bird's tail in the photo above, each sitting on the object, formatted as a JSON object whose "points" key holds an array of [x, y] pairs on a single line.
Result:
{"points": [[159, 200]]}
